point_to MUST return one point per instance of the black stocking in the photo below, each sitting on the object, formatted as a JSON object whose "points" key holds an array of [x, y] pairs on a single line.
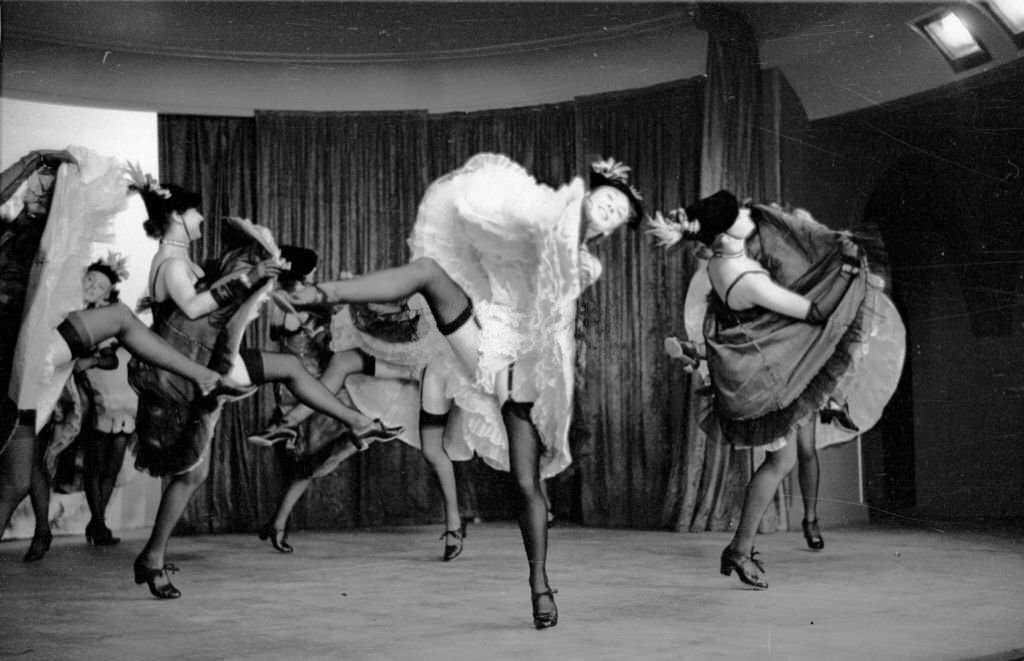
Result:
{"points": [[524, 457]]}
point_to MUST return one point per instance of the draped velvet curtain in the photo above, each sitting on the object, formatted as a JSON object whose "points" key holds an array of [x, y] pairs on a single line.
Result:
{"points": [[348, 185], [631, 398], [739, 152]]}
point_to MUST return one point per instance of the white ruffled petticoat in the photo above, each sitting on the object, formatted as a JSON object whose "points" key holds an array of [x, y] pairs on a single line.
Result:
{"points": [[513, 245], [86, 199]]}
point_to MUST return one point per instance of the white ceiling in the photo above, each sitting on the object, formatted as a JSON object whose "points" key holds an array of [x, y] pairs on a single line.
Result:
{"points": [[838, 56]]}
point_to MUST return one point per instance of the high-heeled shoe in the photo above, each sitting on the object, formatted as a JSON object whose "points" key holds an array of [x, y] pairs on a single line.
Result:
{"points": [[812, 534], [278, 432], [748, 567], [149, 575], [98, 534], [375, 431], [224, 389], [453, 542], [278, 538], [39, 547], [838, 415], [544, 619]]}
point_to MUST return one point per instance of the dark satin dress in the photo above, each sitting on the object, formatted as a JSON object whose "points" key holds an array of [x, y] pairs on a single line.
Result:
{"points": [[771, 373]]}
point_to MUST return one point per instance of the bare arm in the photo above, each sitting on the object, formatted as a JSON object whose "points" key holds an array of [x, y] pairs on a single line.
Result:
{"points": [[177, 281], [759, 289]]}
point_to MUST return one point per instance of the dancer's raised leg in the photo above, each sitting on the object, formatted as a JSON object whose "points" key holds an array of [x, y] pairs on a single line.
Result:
{"points": [[288, 369], [83, 329]]}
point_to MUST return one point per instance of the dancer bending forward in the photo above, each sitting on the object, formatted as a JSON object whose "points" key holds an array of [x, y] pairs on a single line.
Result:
{"points": [[388, 361], [778, 355], [501, 261]]}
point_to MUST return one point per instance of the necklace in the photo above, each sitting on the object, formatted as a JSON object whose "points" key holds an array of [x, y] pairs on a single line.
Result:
{"points": [[172, 242]]}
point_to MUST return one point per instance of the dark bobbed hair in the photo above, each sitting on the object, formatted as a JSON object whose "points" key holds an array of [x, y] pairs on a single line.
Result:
{"points": [[160, 206], [302, 260], [716, 213]]}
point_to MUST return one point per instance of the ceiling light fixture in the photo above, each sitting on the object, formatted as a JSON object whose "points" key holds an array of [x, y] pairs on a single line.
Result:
{"points": [[948, 33], [1009, 14]]}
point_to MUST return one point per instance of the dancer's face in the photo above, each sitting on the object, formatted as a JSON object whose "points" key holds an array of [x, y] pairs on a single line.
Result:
{"points": [[192, 220], [606, 209], [743, 226], [96, 288]]}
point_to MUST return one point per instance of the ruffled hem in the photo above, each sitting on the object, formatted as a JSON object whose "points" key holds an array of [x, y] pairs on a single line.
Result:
{"points": [[768, 429], [491, 214]]}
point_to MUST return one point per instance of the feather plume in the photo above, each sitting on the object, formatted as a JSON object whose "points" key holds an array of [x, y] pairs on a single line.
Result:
{"points": [[665, 231]]}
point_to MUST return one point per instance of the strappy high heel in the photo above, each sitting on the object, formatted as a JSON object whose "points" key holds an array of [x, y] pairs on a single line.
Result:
{"points": [[98, 534], [453, 548], [748, 567], [838, 415], [149, 575], [224, 389], [39, 547], [375, 431], [544, 619], [278, 538], [277, 432], [812, 534]]}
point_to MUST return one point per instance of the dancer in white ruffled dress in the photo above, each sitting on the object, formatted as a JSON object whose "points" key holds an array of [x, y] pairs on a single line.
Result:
{"points": [[501, 261]]}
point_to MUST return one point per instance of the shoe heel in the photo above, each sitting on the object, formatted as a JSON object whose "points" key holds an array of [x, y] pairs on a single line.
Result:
{"points": [[726, 568]]}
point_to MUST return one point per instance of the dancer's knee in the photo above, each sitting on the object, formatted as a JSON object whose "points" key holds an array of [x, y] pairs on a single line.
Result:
{"points": [[197, 475], [427, 271]]}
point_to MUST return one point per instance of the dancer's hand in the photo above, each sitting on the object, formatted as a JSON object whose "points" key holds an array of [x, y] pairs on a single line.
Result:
{"points": [[306, 297], [106, 358], [268, 268], [685, 351], [54, 157]]}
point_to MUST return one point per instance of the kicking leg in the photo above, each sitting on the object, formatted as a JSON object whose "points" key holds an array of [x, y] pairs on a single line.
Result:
{"points": [[84, 329], [287, 369]]}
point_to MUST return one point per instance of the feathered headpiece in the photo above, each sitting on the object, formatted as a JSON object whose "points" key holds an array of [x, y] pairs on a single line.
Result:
{"points": [[114, 267], [703, 220], [143, 182], [159, 199], [615, 174]]}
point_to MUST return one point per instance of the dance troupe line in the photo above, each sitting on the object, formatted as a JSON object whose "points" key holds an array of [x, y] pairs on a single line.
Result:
{"points": [[466, 350]]}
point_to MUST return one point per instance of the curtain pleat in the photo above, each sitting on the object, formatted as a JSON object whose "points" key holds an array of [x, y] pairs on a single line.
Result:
{"points": [[632, 398]]}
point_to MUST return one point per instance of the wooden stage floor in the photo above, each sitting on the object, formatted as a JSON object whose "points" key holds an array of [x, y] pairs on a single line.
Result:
{"points": [[875, 592]]}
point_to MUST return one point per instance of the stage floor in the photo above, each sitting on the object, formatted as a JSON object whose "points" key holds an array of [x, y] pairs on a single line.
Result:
{"points": [[875, 592]]}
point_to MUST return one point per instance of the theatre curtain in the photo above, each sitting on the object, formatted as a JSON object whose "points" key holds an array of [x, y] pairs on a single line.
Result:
{"points": [[348, 185]]}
